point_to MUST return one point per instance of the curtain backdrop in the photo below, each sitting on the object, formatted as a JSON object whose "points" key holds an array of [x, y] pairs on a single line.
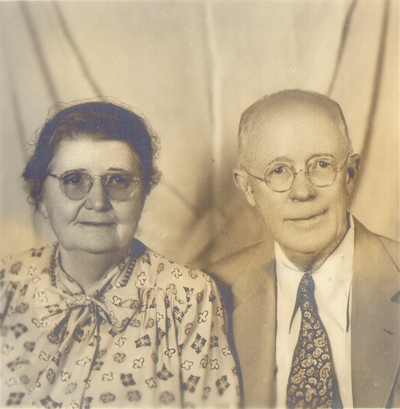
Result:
{"points": [[192, 67]]}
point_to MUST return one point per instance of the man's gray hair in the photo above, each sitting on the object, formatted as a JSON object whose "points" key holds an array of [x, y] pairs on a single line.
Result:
{"points": [[256, 113]]}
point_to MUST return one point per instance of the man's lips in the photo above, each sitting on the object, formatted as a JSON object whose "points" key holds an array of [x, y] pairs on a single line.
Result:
{"points": [[306, 217], [96, 224]]}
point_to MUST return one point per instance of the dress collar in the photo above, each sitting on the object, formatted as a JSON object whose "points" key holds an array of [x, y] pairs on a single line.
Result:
{"points": [[121, 272]]}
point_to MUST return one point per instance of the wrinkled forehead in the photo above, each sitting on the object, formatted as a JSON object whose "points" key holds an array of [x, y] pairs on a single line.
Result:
{"points": [[295, 129], [86, 152]]}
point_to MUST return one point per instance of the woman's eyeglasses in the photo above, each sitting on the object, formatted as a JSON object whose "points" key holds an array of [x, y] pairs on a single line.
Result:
{"points": [[76, 185]]}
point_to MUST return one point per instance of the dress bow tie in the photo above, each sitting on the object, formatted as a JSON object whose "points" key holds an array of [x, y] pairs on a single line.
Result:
{"points": [[68, 320]]}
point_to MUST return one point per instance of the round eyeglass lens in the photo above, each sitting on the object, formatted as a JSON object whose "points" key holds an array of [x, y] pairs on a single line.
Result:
{"points": [[75, 186], [280, 178], [321, 173], [118, 187]]}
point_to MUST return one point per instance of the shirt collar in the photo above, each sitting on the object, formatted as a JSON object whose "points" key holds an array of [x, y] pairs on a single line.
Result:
{"points": [[332, 281]]}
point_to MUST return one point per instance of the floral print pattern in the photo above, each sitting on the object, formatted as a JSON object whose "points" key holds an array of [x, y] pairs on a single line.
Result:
{"points": [[140, 339]]}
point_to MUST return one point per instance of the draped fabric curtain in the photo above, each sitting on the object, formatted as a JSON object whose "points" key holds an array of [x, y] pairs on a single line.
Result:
{"points": [[191, 68]]}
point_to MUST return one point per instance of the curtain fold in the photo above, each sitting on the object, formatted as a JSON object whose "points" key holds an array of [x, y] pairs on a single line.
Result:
{"points": [[191, 68]]}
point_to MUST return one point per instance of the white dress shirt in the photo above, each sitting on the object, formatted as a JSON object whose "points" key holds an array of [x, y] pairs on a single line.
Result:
{"points": [[333, 297]]}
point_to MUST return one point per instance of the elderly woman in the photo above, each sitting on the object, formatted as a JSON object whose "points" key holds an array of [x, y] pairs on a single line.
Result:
{"points": [[99, 319]]}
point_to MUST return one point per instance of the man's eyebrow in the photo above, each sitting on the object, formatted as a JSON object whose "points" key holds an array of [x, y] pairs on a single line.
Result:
{"points": [[280, 159], [286, 159], [319, 155]]}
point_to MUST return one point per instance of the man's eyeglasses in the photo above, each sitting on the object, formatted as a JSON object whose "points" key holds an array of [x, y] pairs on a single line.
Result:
{"points": [[320, 172], [76, 185]]}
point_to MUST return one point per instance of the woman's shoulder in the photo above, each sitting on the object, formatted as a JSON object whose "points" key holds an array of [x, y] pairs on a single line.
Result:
{"points": [[167, 272], [26, 265]]}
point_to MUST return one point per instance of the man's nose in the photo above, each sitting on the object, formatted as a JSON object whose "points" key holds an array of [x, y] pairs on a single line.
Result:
{"points": [[97, 198], [302, 189]]}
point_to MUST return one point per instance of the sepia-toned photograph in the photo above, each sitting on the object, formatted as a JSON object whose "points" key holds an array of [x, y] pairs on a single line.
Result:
{"points": [[199, 204]]}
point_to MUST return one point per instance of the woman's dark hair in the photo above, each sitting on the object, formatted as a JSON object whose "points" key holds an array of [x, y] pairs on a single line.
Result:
{"points": [[100, 120]]}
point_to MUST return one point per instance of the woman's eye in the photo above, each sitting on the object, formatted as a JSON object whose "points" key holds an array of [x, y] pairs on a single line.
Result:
{"points": [[73, 178], [117, 180]]}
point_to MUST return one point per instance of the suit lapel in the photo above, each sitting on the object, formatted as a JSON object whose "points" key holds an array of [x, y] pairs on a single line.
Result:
{"points": [[254, 323], [375, 321], [375, 325]]}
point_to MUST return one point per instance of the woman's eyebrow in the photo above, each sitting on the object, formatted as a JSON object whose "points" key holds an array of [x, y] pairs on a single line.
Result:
{"points": [[118, 170], [74, 170]]}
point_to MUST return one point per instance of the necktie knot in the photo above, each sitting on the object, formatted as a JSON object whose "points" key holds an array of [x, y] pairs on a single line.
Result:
{"points": [[306, 284], [305, 294]]}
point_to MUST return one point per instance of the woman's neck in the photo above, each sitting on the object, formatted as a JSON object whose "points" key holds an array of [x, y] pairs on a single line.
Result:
{"points": [[88, 269]]}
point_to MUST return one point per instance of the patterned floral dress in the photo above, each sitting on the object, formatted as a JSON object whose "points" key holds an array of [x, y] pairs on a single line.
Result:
{"points": [[153, 334]]}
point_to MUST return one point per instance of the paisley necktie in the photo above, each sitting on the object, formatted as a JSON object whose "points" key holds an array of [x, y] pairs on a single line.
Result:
{"points": [[312, 381]]}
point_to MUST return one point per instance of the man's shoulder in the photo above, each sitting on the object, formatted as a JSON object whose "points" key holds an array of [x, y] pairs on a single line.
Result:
{"points": [[371, 240], [393, 248], [230, 268], [369, 244]]}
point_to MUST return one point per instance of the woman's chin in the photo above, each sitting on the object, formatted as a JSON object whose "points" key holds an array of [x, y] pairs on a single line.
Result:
{"points": [[98, 245], [97, 240]]}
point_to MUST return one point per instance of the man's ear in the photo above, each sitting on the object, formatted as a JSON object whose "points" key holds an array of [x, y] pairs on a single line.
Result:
{"points": [[240, 178], [352, 170]]}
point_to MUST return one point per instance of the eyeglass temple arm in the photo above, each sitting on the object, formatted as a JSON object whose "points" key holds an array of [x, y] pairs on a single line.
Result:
{"points": [[254, 176], [339, 168]]}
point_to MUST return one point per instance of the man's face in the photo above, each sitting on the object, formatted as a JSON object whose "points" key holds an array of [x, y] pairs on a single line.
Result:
{"points": [[306, 219]]}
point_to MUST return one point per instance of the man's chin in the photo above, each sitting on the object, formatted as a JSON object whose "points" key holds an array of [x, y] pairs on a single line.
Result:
{"points": [[307, 245]]}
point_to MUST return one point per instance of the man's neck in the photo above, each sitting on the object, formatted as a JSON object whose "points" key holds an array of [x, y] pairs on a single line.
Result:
{"points": [[307, 262], [311, 262]]}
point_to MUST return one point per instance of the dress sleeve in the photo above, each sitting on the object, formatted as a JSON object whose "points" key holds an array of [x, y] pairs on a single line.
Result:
{"points": [[16, 274], [208, 371], [8, 288]]}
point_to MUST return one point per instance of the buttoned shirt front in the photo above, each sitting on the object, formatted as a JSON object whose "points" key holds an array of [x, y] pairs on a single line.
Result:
{"points": [[333, 297]]}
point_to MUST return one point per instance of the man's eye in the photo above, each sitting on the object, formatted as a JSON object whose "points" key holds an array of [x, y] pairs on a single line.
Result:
{"points": [[322, 164], [278, 170]]}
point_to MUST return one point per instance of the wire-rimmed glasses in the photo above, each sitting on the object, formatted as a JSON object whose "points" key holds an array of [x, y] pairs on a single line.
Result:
{"points": [[76, 185], [320, 172]]}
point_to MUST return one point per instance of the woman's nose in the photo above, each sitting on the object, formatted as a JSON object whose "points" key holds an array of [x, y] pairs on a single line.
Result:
{"points": [[302, 189], [97, 198]]}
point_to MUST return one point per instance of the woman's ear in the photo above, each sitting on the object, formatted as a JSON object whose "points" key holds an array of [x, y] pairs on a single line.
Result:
{"points": [[241, 181], [43, 209], [352, 171]]}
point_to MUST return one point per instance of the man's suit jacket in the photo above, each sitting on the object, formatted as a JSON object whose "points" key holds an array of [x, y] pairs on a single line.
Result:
{"points": [[375, 320]]}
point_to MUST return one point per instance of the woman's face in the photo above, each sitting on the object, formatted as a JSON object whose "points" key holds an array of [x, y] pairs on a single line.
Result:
{"points": [[95, 224]]}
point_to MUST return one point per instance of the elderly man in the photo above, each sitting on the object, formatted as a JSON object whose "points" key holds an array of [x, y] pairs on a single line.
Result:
{"points": [[316, 312]]}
